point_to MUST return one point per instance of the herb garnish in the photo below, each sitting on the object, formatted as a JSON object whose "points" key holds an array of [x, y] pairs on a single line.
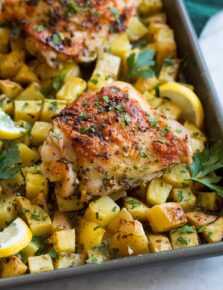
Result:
{"points": [[182, 240], [9, 162], [132, 202], [58, 81]]}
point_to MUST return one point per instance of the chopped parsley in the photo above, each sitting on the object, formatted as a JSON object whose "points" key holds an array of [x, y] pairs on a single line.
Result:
{"points": [[40, 28], [182, 240], [59, 81], [114, 209], [134, 203], [127, 119], [9, 162], [83, 130]]}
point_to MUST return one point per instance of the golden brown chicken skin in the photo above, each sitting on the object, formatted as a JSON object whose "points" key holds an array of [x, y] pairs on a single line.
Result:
{"points": [[72, 29], [111, 141]]}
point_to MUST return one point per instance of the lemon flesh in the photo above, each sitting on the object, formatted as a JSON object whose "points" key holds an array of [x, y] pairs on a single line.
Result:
{"points": [[14, 238], [8, 129], [186, 100]]}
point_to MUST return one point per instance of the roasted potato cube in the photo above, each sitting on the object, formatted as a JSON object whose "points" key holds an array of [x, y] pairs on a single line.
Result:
{"points": [[166, 216], [11, 63], [90, 235], [185, 236], [37, 219], [155, 27], [72, 89], [120, 45], [185, 197], [197, 137], [40, 264], [12, 266], [178, 175], [27, 110], [26, 75], [40, 200], [27, 155], [148, 84], [102, 211], [158, 191], [35, 184], [39, 132], [9, 187], [10, 89], [61, 221], [209, 201], [32, 93], [7, 212], [68, 204], [169, 70], [136, 29], [170, 110], [64, 240], [130, 239], [137, 209], [51, 108], [5, 39], [200, 219], [150, 6], [32, 248], [66, 260], [157, 18], [97, 256], [158, 243], [6, 104], [213, 232], [71, 69], [123, 215]]}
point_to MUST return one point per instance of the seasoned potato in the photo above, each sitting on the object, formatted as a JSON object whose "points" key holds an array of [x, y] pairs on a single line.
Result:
{"points": [[136, 29], [147, 84], [150, 6], [25, 75], [66, 260], [158, 191], [209, 201], [157, 18], [71, 203], [40, 264], [130, 239], [213, 232], [6, 104], [120, 45], [7, 212], [5, 39], [197, 137], [12, 266], [166, 216], [40, 200], [11, 63], [51, 108], [185, 236], [90, 235], [10, 89], [32, 93], [123, 215], [27, 155], [170, 110], [185, 197], [137, 209], [27, 110], [35, 184], [97, 255], [178, 175], [102, 211], [61, 221], [158, 243], [200, 219], [63, 241], [169, 70], [32, 248], [39, 132]]}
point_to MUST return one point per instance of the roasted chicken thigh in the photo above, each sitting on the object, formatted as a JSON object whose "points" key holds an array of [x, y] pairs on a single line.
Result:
{"points": [[111, 141]]}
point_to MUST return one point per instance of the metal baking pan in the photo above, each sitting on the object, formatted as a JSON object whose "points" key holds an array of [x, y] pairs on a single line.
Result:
{"points": [[196, 73]]}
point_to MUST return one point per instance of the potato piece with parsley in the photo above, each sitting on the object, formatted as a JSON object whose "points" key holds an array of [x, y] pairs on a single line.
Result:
{"points": [[31, 93], [119, 45], [51, 108], [123, 215], [185, 197], [200, 219], [209, 201], [178, 175], [26, 75], [150, 6], [6, 104], [136, 29], [169, 70], [40, 264], [185, 236], [198, 138], [11, 63], [158, 243], [158, 191], [71, 203], [12, 267], [27, 110], [28, 156], [61, 221], [213, 232], [170, 110], [10, 89], [66, 260], [63, 241], [35, 184], [32, 248], [8, 211], [137, 209]]}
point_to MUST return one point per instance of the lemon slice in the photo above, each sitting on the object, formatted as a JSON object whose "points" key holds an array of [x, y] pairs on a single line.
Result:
{"points": [[185, 99], [8, 129], [14, 238]]}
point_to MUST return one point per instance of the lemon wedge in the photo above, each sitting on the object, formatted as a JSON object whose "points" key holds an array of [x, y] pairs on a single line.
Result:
{"points": [[186, 100], [8, 129], [14, 238]]}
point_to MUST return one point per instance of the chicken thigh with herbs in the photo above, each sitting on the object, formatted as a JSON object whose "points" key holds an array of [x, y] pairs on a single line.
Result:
{"points": [[111, 141]]}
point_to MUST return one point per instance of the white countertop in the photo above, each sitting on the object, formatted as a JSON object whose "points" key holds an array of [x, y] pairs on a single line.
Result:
{"points": [[203, 274]]}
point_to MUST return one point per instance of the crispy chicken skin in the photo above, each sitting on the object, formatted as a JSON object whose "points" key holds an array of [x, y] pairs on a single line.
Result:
{"points": [[111, 141], [69, 29]]}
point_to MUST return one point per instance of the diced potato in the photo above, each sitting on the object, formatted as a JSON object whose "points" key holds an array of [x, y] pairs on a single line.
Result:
{"points": [[158, 243], [120, 45], [66, 260], [155, 102], [178, 175], [185, 236], [64, 240], [130, 239], [27, 155], [68, 204], [185, 197], [12, 185], [5, 39], [40, 264], [10, 89], [123, 215], [72, 89], [106, 71], [90, 235], [40, 200], [32, 92], [96, 256], [11, 63], [61, 222], [39, 132], [102, 211], [155, 27], [213, 232], [137, 209], [37, 219], [35, 184], [166, 216], [197, 137], [27, 110], [157, 18], [200, 219], [136, 29], [12, 266], [150, 6], [148, 84], [7, 212], [6, 104], [32, 248], [170, 110], [169, 70], [51, 108], [71, 69], [209, 201], [26, 75], [158, 191]]}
